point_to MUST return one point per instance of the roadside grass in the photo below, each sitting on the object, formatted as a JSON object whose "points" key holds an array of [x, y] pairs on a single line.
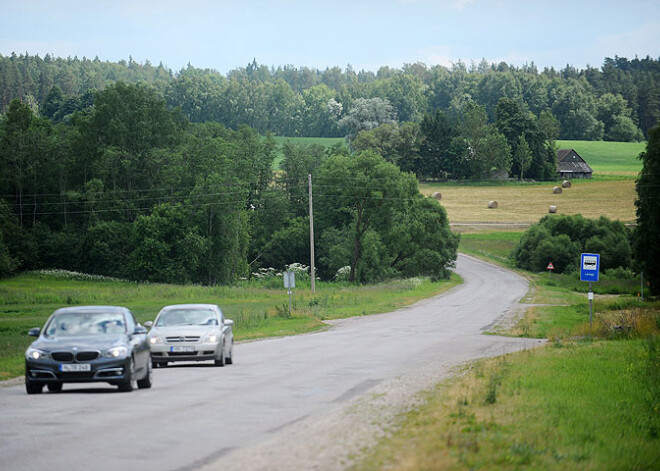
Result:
{"points": [[259, 308], [592, 405]]}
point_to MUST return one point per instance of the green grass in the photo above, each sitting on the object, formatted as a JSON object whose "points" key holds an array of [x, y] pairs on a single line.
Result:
{"points": [[491, 245], [582, 405], [608, 158], [259, 309], [322, 141]]}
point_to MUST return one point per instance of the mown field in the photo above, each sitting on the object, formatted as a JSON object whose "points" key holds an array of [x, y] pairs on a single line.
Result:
{"points": [[259, 309], [589, 399], [527, 203], [611, 192]]}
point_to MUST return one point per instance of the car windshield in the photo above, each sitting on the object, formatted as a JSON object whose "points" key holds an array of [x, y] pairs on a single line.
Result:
{"points": [[187, 317], [72, 324]]}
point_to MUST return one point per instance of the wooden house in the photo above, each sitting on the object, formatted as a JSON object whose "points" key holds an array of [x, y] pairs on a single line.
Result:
{"points": [[570, 165]]}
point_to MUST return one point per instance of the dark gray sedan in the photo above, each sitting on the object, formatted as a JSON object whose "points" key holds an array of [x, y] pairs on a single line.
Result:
{"points": [[88, 344]]}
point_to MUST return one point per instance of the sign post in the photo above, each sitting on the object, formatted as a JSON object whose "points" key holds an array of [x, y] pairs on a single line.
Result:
{"points": [[289, 283], [550, 267], [589, 266]]}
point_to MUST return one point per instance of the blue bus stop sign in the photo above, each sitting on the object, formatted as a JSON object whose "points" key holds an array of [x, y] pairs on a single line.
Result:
{"points": [[589, 266]]}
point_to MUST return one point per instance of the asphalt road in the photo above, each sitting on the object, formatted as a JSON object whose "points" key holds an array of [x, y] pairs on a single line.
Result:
{"points": [[200, 416]]}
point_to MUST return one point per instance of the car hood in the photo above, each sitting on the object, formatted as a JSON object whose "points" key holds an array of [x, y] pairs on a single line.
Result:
{"points": [[184, 330], [95, 342]]}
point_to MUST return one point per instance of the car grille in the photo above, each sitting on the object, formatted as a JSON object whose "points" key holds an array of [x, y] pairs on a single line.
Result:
{"points": [[62, 356], [182, 354], [86, 356], [181, 338], [68, 357]]}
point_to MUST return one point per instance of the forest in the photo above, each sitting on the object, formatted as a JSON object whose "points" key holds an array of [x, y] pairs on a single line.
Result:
{"points": [[613, 102], [133, 171], [131, 189]]}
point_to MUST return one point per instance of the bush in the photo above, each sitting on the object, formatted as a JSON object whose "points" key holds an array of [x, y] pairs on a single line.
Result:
{"points": [[561, 239]]}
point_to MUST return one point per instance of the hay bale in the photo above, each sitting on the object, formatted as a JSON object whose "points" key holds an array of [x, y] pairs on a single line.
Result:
{"points": [[556, 190], [492, 204], [437, 195], [565, 184], [553, 209]]}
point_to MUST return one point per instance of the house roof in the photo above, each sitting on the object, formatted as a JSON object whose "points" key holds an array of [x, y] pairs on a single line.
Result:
{"points": [[568, 160]]}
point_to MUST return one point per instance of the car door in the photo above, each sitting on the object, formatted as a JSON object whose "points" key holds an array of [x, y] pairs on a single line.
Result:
{"points": [[140, 345], [227, 334]]}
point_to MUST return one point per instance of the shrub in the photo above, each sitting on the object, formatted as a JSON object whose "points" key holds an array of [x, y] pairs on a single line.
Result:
{"points": [[561, 239]]}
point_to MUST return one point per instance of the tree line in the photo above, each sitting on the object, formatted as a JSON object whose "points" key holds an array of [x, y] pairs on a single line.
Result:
{"points": [[127, 187], [620, 101]]}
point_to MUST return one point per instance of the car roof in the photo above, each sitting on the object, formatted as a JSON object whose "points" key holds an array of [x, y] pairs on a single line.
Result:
{"points": [[81, 309], [190, 306]]}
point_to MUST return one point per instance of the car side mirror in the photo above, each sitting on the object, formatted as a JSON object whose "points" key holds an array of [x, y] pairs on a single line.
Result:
{"points": [[149, 324], [229, 322], [139, 330], [34, 332]]}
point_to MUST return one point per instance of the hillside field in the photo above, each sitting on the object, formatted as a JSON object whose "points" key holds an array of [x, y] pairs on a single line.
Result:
{"points": [[608, 158], [605, 158]]}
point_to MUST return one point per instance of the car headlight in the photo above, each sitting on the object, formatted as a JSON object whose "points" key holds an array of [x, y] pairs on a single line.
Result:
{"points": [[211, 338], [154, 339], [116, 352], [35, 354]]}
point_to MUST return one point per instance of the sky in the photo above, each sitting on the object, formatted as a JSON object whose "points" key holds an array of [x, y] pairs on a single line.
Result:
{"points": [[367, 34]]}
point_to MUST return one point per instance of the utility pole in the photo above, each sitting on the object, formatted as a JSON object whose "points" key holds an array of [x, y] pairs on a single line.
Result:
{"points": [[312, 271]]}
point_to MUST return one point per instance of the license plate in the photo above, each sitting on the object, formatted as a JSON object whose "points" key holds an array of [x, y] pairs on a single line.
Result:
{"points": [[182, 349], [74, 367]]}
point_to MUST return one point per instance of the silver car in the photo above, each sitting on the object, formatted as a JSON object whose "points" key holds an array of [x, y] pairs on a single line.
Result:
{"points": [[191, 332]]}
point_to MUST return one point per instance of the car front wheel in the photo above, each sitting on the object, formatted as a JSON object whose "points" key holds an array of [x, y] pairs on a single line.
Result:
{"points": [[145, 383], [33, 388], [220, 361], [129, 384]]}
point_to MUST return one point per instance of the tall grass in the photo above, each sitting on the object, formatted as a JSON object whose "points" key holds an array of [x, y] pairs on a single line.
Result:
{"points": [[579, 405]]}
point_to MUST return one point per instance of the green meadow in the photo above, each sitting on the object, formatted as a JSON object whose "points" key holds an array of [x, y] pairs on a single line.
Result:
{"points": [[608, 158], [308, 141]]}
